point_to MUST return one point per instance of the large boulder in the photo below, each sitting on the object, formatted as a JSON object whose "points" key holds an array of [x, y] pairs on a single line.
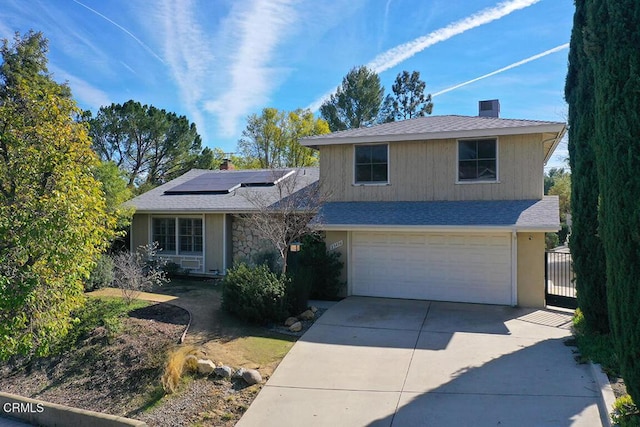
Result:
{"points": [[296, 327], [205, 366], [290, 321], [223, 371], [251, 376], [306, 315]]}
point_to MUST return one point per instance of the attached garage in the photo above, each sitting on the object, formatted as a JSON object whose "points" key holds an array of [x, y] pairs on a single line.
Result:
{"points": [[462, 267], [488, 252]]}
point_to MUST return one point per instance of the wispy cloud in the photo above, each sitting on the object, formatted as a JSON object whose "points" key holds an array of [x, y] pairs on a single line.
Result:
{"points": [[188, 55], [86, 94], [503, 69], [400, 53], [129, 33], [259, 27]]}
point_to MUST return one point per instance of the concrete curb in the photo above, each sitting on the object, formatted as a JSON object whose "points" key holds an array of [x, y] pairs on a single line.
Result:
{"points": [[46, 414], [607, 398]]}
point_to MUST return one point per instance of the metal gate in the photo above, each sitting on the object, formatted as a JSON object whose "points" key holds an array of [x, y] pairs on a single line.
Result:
{"points": [[560, 286]]}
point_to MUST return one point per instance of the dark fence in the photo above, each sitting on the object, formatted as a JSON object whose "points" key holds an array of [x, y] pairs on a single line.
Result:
{"points": [[560, 286]]}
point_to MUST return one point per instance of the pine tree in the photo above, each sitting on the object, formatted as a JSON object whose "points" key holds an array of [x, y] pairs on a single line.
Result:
{"points": [[586, 247], [611, 41]]}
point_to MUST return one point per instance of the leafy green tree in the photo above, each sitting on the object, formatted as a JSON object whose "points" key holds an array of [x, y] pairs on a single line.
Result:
{"points": [[562, 188], [357, 101], [408, 100], [611, 42], [212, 158], [53, 223], [551, 176], [151, 145], [116, 192], [271, 140]]}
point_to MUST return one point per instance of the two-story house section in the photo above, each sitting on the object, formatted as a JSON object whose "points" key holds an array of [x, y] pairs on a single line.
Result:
{"points": [[446, 208]]}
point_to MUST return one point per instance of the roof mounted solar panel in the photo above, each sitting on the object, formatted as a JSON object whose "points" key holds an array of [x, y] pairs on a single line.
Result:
{"points": [[226, 182]]}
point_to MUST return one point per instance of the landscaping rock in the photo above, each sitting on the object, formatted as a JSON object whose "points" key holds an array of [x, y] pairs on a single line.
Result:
{"points": [[223, 371], [251, 376], [205, 366], [307, 315], [296, 327], [290, 321], [314, 309], [239, 373]]}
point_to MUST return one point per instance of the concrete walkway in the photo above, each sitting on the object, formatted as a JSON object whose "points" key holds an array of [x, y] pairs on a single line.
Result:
{"points": [[385, 362]]}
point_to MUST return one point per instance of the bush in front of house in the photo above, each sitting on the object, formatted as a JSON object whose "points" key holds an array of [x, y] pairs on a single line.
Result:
{"points": [[324, 268], [255, 294], [102, 274]]}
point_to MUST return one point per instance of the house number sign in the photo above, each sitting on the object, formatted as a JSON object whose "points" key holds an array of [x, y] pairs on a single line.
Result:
{"points": [[335, 245]]}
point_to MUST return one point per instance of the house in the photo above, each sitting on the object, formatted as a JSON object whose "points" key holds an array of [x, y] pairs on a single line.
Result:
{"points": [[442, 207], [198, 219]]}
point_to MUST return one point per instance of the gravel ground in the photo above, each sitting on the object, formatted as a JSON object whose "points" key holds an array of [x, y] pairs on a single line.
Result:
{"points": [[120, 374]]}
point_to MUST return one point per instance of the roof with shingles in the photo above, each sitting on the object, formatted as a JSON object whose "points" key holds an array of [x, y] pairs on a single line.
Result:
{"points": [[436, 127], [542, 215], [237, 201]]}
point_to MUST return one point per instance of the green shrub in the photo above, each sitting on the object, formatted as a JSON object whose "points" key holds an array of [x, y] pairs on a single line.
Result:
{"points": [[102, 274], [593, 346], [269, 258], [625, 412], [563, 233], [324, 268], [255, 294], [298, 289], [551, 240]]}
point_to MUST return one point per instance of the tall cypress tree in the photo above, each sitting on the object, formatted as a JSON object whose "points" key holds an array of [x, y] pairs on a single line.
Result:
{"points": [[612, 40], [586, 247]]}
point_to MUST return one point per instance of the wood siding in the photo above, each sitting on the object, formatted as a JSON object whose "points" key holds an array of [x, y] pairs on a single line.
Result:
{"points": [[214, 243], [426, 170]]}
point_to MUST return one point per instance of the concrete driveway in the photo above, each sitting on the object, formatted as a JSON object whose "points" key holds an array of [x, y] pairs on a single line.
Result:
{"points": [[386, 362]]}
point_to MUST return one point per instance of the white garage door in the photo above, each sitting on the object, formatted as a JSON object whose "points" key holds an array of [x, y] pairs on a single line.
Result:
{"points": [[433, 266]]}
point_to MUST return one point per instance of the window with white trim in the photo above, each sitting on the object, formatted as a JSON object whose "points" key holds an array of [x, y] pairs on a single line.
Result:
{"points": [[164, 232], [478, 160], [190, 232], [372, 164], [178, 235]]}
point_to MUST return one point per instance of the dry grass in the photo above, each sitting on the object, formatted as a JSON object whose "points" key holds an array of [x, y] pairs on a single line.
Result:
{"points": [[179, 359]]}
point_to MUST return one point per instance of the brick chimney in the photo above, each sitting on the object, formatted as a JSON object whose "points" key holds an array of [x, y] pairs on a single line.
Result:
{"points": [[226, 165], [490, 108]]}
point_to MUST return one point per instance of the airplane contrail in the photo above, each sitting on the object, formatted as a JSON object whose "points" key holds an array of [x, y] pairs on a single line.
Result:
{"points": [[503, 69], [129, 33], [400, 53]]}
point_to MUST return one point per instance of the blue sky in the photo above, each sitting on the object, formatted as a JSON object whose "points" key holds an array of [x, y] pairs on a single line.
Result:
{"points": [[217, 61]]}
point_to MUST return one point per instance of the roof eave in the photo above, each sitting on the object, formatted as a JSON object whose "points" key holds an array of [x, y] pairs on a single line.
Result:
{"points": [[555, 144], [470, 133], [544, 228]]}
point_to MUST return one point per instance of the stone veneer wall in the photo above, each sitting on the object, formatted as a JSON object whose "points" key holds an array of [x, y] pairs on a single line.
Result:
{"points": [[246, 242]]}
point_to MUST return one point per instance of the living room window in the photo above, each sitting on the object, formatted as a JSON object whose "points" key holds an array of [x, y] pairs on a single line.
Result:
{"points": [[478, 160], [190, 235], [164, 232], [372, 164], [183, 234]]}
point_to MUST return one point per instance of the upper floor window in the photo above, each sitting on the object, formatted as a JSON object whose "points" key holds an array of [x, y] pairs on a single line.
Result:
{"points": [[477, 160], [371, 165]]}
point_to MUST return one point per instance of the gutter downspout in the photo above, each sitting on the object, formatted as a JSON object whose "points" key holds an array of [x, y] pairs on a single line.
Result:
{"points": [[514, 268]]}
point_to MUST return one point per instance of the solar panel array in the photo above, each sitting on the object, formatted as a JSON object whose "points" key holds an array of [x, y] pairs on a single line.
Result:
{"points": [[226, 182]]}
